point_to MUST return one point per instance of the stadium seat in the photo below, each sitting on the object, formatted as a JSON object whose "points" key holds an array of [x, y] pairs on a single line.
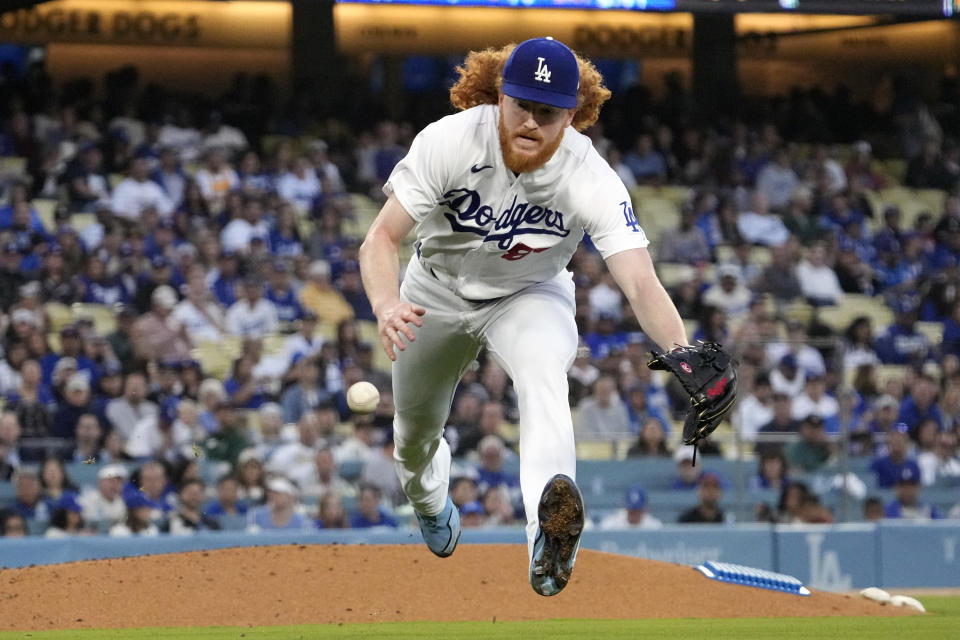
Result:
{"points": [[932, 330], [58, 315], [104, 318], [13, 166], [587, 450], [45, 208], [674, 273]]}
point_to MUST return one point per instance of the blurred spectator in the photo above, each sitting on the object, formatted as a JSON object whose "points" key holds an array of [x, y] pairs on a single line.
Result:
{"points": [[139, 519], [328, 477], [105, 505], [66, 518], [246, 226], [300, 185], [759, 226], [490, 473], [244, 388], [777, 180], [199, 312], [498, 507], [158, 334], [216, 178], [812, 450], [730, 293], [756, 409], [169, 175], [687, 476], [136, 193], [787, 378], [858, 344], [708, 510], [942, 464], [190, 516], [162, 435], [634, 515], [28, 500], [640, 410], [380, 471], [76, 402], [87, 183], [652, 440], [818, 282], [901, 343], [686, 243], [152, 481], [906, 503], [319, 296], [793, 496], [815, 401], [251, 478], [603, 414], [307, 393], [890, 467], [771, 471], [252, 315], [12, 524], [472, 515], [281, 510], [645, 162], [873, 509], [330, 512], [860, 167], [55, 481], [9, 444], [280, 293], [370, 512], [297, 459], [228, 502], [463, 489], [32, 401], [921, 405]]}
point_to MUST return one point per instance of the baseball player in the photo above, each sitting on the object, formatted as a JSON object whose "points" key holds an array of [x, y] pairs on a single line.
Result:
{"points": [[500, 195]]}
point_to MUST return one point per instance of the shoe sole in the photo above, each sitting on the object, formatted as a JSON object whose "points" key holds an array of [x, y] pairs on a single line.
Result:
{"points": [[561, 521]]}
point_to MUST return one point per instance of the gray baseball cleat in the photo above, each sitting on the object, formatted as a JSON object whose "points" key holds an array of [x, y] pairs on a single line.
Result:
{"points": [[561, 517], [442, 531]]}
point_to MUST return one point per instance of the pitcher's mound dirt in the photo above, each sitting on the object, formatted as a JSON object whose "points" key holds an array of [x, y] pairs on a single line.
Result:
{"points": [[299, 584]]}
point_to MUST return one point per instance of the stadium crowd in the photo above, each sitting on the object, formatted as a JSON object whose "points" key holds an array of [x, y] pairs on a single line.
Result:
{"points": [[181, 312]]}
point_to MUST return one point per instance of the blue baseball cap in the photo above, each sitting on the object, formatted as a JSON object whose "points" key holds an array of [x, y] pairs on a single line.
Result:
{"points": [[636, 498], [137, 500], [542, 70], [69, 502], [909, 473], [471, 507]]}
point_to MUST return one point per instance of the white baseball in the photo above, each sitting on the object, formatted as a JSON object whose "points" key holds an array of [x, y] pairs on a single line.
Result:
{"points": [[362, 397], [907, 601]]}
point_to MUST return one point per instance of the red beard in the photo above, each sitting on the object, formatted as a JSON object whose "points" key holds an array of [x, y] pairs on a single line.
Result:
{"points": [[525, 161]]}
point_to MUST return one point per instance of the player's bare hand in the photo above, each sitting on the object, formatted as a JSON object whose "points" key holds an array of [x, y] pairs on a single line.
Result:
{"points": [[394, 321]]}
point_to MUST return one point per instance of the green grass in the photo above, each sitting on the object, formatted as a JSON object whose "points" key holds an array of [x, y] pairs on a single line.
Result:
{"points": [[941, 621]]}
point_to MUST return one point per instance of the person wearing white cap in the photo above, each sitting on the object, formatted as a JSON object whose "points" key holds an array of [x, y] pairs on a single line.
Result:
{"points": [[281, 510], [158, 334], [104, 506]]}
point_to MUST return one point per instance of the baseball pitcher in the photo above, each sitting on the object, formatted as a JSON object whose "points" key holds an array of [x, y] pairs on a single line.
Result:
{"points": [[500, 194]]}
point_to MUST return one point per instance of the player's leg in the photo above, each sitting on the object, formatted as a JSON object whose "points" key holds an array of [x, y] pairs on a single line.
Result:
{"points": [[534, 337], [425, 376]]}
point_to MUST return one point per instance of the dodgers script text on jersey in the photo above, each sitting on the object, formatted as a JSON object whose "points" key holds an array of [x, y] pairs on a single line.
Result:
{"points": [[486, 232]]}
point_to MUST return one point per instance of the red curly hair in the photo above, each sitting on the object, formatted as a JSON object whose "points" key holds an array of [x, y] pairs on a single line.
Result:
{"points": [[481, 76]]}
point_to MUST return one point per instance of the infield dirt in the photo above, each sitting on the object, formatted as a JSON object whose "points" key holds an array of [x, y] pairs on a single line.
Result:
{"points": [[303, 584]]}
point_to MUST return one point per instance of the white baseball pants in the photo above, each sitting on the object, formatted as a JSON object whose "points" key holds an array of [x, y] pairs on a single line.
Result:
{"points": [[532, 335]]}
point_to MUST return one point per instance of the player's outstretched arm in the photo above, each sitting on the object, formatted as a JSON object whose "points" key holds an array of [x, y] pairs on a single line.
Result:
{"points": [[633, 270], [380, 270]]}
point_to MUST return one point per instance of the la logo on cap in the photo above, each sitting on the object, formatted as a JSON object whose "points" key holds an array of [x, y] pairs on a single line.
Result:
{"points": [[542, 74]]}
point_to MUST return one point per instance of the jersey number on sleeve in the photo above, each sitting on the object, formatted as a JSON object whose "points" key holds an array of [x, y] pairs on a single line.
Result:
{"points": [[630, 219]]}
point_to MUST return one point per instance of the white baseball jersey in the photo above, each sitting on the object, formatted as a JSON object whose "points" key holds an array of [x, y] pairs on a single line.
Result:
{"points": [[484, 231]]}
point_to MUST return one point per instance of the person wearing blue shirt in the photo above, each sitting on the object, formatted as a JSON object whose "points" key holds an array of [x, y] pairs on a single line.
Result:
{"points": [[99, 287], [906, 504], [370, 513], [951, 332], [29, 502], [228, 502], [280, 292], [224, 286], [890, 468], [921, 405], [605, 337], [901, 343], [639, 409], [280, 513]]}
